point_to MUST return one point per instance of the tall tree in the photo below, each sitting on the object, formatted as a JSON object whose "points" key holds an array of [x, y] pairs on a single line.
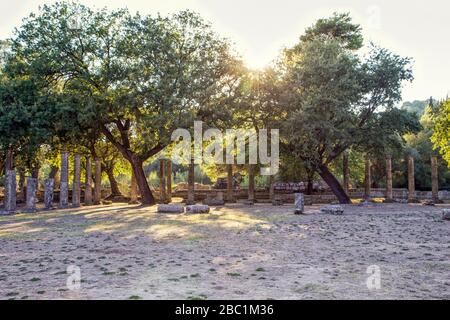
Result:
{"points": [[441, 136], [141, 77], [337, 99]]}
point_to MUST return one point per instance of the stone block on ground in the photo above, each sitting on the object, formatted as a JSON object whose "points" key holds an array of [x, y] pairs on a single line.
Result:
{"points": [[31, 199], [10, 193], [333, 209], [170, 208], [197, 209], [48, 193], [446, 214], [299, 203]]}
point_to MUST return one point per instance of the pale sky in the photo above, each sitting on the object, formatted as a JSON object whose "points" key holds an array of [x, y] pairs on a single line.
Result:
{"points": [[259, 29]]}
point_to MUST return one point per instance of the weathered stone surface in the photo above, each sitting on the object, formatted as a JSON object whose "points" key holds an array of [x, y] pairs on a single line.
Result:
{"points": [[98, 182], [48, 193], [251, 183], [389, 194], [76, 193], [446, 214], [169, 180], [299, 203], [88, 183], [64, 183], [170, 208], [32, 184], [332, 209], [195, 209], [191, 184], [10, 192]]}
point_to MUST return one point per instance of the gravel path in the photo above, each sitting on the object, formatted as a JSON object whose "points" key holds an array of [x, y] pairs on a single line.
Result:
{"points": [[237, 252]]}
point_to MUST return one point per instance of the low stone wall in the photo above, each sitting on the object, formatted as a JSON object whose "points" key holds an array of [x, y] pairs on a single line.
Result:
{"points": [[262, 195]]}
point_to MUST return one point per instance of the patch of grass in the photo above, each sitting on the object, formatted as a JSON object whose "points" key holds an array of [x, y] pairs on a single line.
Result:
{"points": [[233, 274], [196, 275], [60, 272], [212, 270], [40, 292], [194, 238], [134, 298], [108, 273], [35, 279], [199, 297], [260, 270]]}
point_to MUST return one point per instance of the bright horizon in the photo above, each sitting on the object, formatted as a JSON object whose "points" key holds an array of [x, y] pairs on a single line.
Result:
{"points": [[260, 29]]}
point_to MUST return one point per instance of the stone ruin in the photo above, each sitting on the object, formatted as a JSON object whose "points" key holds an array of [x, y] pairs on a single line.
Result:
{"points": [[299, 203], [333, 209], [446, 214]]}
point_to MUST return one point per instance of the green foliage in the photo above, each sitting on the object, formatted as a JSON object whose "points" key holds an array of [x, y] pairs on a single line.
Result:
{"points": [[441, 135], [339, 26], [338, 99]]}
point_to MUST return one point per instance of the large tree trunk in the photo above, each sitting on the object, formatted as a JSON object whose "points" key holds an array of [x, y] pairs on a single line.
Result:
{"points": [[146, 194], [115, 191], [334, 184], [135, 160]]}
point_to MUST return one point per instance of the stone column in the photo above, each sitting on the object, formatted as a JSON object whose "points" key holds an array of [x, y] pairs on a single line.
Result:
{"points": [[367, 180], [251, 183], [48, 193], [299, 203], [162, 181], [88, 186], [10, 191], [230, 191], [98, 182], [271, 188], [411, 181], [389, 195], [32, 184], [191, 184], [346, 173], [64, 181], [169, 180], [434, 180], [76, 192], [134, 189]]}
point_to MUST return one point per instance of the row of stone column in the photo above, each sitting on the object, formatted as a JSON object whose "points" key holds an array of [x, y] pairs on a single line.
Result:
{"points": [[165, 180], [389, 190], [32, 186]]}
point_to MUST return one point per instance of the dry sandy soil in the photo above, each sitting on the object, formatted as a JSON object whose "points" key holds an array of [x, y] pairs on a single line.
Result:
{"points": [[236, 252]]}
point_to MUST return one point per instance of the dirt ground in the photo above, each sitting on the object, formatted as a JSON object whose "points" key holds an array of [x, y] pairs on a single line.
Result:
{"points": [[236, 252]]}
